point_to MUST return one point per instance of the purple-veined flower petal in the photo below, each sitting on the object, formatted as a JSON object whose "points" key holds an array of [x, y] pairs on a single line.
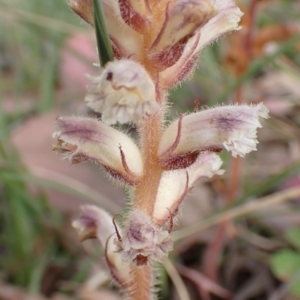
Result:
{"points": [[81, 139], [233, 128]]}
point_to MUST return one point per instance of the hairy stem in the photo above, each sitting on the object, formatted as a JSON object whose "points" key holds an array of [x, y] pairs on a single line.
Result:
{"points": [[145, 193], [141, 285]]}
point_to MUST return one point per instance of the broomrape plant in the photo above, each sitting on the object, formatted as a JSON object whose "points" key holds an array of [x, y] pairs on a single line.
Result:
{"points": [[155, 46]]}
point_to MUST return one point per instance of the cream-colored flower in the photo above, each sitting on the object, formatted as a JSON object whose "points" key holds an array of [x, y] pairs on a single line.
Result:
{"points": [[231, 127], [174, 185], [126, 42], [94, 222], [182, 19], [226, 20], [81, 139], [124, 93]]}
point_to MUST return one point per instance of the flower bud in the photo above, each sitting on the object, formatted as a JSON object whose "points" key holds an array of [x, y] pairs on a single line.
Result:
{"points": [[226, 20], [174, 185], [126, 42], [142, 240], [84, 9], [94, 223], [124, 93], [182, 18], [81, 139], [231, 127], [97, 223]]}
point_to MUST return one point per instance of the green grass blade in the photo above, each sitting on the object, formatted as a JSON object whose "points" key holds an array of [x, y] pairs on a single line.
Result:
{"points": [[104, 46]]}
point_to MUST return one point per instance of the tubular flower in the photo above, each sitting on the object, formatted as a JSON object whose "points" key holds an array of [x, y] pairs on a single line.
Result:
{"points": [[97, 223], [231, 127], [124, 93], [168, 36], [174, 185], [126, 42], [225, 20], [81, 139], [182, 19]]}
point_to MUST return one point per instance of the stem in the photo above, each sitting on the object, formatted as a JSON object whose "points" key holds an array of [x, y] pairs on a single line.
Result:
{"points": [[141, 284], [145, 193]]}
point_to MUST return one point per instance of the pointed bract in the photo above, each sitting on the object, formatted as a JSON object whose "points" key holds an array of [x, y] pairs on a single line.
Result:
{"points": [[81, 139], [231, 127]]}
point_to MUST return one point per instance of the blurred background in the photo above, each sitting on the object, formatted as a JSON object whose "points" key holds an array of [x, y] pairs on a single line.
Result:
{"points": [[226, 248]]}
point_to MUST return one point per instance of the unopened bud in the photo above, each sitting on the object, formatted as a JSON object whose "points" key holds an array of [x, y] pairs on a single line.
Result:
{"points": [[142, 240], [226, 20], [84, 9], [182, 19]]}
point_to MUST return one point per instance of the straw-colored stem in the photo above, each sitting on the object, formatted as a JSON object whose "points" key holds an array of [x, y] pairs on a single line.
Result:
{"points": [[145, 193], [141, 285]]}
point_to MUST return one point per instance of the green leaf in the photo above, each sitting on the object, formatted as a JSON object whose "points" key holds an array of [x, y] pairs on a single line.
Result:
{"points": [[285, 263], [103, 42], [293, 236]]}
